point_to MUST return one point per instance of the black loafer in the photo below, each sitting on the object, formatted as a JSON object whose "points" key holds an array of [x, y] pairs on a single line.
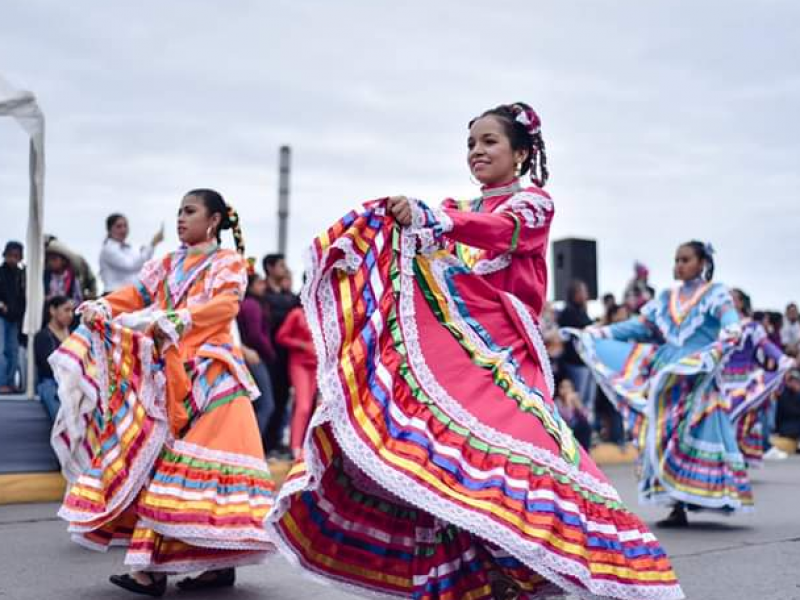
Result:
{"points": [[221, 578], [155, 589], [676, 520]]}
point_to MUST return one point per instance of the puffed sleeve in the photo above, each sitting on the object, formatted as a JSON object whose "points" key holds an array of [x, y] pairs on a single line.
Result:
{"points": [[137, 296], [520, 226], [225, 288]]}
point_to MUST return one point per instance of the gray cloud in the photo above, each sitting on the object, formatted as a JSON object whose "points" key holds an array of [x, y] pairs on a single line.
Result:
{"points": [[664, 120]]}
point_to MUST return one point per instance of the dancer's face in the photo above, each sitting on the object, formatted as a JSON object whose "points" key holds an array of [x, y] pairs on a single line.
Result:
{"points": [[490, 156], [195, 226], [688, 265], [738, 301]]}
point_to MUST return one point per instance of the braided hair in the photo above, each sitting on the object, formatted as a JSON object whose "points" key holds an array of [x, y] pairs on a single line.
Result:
{"points": [[704, 252], [747, 304], [523, 128], [229, 218]]}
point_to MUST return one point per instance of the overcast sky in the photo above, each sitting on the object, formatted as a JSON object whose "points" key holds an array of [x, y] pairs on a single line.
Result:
{"points": [[664, 120]]}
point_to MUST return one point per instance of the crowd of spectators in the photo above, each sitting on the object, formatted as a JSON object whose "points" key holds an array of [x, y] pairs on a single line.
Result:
{"points": [[277, 344], [275, 339], [596, 413]]}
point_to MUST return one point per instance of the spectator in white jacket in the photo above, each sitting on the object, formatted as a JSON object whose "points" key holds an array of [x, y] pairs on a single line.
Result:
{"points": [[120, 262], [790, 331]]}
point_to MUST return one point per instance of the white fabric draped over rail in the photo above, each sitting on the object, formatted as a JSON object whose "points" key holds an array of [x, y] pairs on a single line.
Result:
{"points": [[22, 106]]}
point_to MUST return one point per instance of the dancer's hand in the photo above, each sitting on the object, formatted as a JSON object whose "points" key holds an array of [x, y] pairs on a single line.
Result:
{"points": [[251, 357], [400, 208], [158, 334], [90, 314], [158, 237]]}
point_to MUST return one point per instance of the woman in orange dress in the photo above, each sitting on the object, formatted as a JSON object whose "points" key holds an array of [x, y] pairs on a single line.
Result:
{"points": [[157, 434]]}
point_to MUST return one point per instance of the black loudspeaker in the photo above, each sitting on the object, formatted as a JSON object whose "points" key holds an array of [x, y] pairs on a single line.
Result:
{"points": [[573, 259]]}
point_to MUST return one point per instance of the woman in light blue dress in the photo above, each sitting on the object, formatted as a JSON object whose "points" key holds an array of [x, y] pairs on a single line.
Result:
{"points": [[660, 370]]}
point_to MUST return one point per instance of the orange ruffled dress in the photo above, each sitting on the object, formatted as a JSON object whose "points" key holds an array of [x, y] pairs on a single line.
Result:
{"points": [[160, 445]]}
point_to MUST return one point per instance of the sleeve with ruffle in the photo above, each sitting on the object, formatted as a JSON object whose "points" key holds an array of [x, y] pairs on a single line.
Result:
{"points": [[723, 308], [131, 298], [226, 285], [520, 226], [635, 329]]}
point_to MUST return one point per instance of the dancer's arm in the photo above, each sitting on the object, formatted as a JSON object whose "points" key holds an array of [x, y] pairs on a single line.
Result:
{"points": [[635, 329], [129, 298], [725, 311]]}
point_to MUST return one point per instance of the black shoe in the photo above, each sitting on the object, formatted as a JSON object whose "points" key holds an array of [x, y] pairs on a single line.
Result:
{"points": [[209, 580], [676, 520], [155, 588], [503, 588]]}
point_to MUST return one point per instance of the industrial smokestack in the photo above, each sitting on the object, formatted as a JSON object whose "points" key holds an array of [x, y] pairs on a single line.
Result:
{"points": [[283, 198]]}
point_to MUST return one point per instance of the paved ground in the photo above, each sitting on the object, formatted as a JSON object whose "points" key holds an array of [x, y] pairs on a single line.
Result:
{"points": [[754, 557]]}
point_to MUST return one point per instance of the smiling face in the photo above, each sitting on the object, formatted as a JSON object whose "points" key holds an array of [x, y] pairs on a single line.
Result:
{"points": [[491, 158], [194, 222], [688, 265]]}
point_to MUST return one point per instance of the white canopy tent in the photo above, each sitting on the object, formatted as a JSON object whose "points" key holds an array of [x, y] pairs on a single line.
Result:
{"points": [[21, 105]]}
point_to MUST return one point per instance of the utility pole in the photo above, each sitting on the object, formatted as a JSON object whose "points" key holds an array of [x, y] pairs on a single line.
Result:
{"points": [[283, 198]]}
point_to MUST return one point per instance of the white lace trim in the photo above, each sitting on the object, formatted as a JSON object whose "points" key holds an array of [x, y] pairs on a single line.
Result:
{"points": [[101, 305], [351, 261], [139, 561], [445, 222], [532, 329], [231, 458], [222, 538], [531, 206], [487, 266], [658, 310], [94, 546], [169, 328], [421, 229]]}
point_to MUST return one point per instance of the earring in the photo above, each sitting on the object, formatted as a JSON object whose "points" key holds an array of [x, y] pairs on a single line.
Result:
{"points": [[209, 232], [518, 170]]}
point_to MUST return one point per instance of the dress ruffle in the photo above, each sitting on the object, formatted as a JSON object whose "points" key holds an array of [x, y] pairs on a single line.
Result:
{"points": [[751, 389], [688, 449], [437, 458], [179, 504]]}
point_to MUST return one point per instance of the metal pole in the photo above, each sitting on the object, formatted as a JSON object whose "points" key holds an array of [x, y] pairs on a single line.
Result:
{"points": [[283, 198]]}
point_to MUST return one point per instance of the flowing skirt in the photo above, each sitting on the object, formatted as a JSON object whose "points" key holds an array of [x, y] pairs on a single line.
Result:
{"points": [[751, 391], [181, 501], [679, 420], [436, 463]]}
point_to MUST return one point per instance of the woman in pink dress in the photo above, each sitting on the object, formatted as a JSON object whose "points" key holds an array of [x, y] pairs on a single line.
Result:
{"points": [[436, 465], [295, 336]]}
